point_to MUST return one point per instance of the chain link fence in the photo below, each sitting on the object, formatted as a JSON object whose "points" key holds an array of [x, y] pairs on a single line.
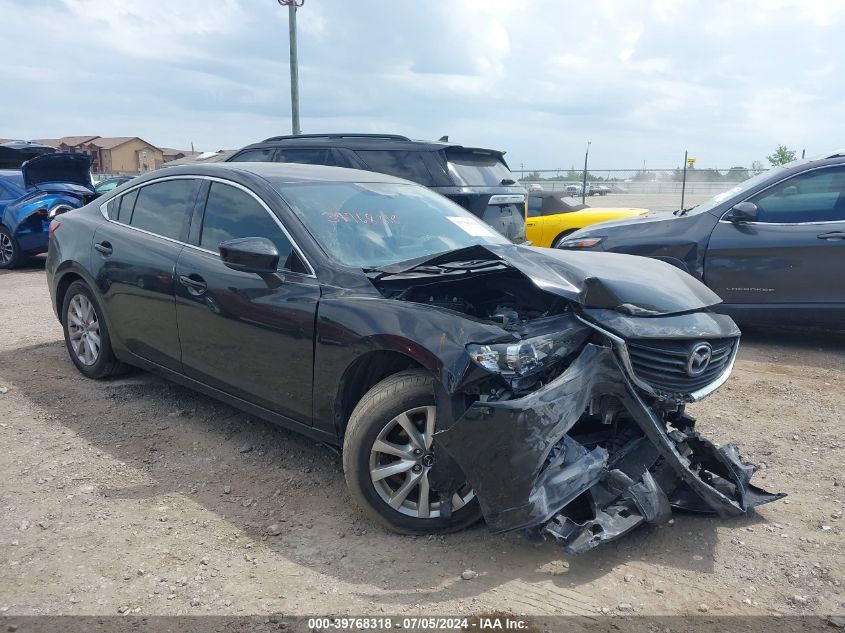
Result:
{"points": [[654, 189]]}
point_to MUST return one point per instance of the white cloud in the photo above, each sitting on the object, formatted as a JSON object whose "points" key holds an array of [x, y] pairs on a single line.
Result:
{"points": [[642, 80]]}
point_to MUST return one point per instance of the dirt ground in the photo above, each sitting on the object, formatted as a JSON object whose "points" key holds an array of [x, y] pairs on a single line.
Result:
{"points": [[135, 495]]}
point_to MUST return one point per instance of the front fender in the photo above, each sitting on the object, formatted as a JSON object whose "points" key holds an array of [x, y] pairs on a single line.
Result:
{"points": [[347, 328]]}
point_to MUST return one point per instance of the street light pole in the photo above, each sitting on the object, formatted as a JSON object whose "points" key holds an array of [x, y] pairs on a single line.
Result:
{"points": [[294, 65], [584, 182]]}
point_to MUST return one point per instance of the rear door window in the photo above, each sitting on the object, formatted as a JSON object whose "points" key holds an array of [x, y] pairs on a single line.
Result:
{"points": [[399, 163], [535, 206], [305, 156], [474, 169], [264, 155], [163, 207], [122, 207]]}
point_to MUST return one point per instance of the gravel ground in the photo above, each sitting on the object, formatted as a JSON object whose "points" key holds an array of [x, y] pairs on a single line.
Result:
{"points": [[135, 495]]}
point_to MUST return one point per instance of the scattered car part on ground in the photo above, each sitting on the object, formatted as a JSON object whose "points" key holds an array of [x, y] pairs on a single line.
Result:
{"points": [[773, 247], [552, 216], [48, 186], [463, 375], [477, 179]]}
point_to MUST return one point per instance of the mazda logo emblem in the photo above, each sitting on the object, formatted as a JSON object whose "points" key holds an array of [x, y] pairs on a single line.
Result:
{"points": [[699, 359]]}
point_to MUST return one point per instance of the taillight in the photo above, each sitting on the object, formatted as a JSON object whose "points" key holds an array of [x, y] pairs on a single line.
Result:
{"points": [[54, 226]]}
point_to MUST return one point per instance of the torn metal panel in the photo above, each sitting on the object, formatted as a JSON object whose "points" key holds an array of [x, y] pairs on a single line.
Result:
{"points": [[543, 463], [593, 280]]}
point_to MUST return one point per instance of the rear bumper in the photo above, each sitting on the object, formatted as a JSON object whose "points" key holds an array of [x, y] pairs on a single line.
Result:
{"points": [[533, 467]]}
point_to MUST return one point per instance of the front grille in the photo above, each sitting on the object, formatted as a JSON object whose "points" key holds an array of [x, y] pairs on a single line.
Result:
{"points": [[663, 363]]}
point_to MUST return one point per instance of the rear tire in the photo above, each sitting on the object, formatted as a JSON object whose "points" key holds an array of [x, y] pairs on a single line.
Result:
{"points": [[10, 250], [561, 237], [376, 439], [86, 333]]}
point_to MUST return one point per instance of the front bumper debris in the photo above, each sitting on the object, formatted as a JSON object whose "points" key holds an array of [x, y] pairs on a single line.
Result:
{"points": [[538, 464]]}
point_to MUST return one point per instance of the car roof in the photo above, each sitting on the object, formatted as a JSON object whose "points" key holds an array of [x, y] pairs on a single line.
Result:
{"points": [[286, 172], [365, 142]]}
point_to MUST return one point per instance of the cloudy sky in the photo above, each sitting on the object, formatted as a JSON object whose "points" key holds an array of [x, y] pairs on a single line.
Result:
{"points": [[642, 79]]}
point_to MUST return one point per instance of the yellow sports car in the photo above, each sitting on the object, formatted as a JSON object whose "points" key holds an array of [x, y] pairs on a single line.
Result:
{"points": [[554, 215]]}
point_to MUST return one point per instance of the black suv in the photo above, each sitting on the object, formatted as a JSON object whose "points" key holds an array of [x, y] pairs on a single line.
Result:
{"points": [[477, 179]]}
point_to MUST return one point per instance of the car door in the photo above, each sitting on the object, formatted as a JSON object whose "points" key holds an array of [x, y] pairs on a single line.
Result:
{"points": [[134, 260], [793, 253], [247, 335]]}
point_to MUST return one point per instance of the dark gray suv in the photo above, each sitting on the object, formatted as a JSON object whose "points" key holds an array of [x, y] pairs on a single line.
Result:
{"points": [[477, 179]]}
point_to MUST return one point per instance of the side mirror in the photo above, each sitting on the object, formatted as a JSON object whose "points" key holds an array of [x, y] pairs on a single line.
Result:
{"points": [[743, 212], [250, 255]]}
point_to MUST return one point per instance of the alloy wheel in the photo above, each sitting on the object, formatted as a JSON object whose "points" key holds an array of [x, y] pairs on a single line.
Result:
{"points": [[83, 329], [401, 460], [7, 249]]}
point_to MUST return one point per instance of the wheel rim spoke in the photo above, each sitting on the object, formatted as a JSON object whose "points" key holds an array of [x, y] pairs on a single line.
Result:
{"points": [[411, 429], [395, 468], [424, 505], [411, 481], [428, 434], [397, 450]]}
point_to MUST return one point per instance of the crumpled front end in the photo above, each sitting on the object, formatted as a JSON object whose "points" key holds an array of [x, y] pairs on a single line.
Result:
{"points": [[605, 446]]}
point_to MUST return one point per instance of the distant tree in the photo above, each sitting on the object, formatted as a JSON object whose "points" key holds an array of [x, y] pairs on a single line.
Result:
{"points": [[781, 156], [532, 176], [757, 167]]}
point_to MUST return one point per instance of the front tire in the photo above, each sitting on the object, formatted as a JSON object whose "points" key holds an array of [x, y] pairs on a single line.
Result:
{"points": [[387, 457], [10, 250], [86, 333]]}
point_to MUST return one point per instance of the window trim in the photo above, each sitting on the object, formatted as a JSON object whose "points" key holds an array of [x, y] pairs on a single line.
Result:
{"points": [[105, 213], [722, 219]]}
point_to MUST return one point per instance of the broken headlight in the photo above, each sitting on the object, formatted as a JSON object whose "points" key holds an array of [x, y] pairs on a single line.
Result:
{"points": [[523, 357]]}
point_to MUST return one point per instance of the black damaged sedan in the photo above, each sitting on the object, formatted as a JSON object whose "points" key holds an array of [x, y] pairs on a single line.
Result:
{"points": [[462, 375]]}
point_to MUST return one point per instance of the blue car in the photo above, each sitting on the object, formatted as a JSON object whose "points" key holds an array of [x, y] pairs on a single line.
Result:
{"points": [[31, 197]]}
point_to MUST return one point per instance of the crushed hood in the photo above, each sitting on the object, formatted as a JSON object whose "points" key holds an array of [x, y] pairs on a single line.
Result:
{"points": [[59, 167], [634, 285]]}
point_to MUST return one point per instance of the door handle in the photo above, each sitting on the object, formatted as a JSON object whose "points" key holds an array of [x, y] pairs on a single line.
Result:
{"points": [[194, 283], [833, 235], [104, 248]]}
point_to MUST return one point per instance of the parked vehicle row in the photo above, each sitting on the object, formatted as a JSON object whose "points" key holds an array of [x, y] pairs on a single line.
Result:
{"points": [[773, 247], [552, 217], [477, 179]]}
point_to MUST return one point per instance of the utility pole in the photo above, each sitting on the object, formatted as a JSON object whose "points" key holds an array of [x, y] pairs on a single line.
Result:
{"points": [[584, 183], [292, 5], [684, 183]]}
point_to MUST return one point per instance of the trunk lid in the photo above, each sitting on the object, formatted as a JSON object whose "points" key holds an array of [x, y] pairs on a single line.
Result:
{"points": [[59, 167]]}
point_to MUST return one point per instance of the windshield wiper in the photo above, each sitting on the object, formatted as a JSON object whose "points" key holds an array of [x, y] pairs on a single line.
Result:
{"points": [[682, 212], [446, 268]]}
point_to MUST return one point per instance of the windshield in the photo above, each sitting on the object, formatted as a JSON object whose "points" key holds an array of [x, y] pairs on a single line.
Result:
{"points": [[368, 225], [479, 170], [745, 185]]}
